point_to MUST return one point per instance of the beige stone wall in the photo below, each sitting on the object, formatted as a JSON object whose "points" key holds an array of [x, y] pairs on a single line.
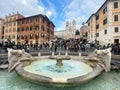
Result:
{"points": [[91, 29], [1, 29], [111, 35]]}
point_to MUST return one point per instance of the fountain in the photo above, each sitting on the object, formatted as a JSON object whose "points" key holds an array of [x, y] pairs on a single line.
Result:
{"points": [[58, 69]]}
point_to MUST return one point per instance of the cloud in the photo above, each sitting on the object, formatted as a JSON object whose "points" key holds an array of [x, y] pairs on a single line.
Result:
{"points": [[80, 10], [50, 9], [25, 7], [58, 11]]}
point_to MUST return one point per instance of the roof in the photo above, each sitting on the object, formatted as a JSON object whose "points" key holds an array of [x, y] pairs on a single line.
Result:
{"points": [[44, 16], [33, 17], [90, 18], [102, 6]]}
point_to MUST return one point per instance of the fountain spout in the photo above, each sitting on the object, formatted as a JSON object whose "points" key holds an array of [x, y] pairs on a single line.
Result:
{"points": [[59, 62]]}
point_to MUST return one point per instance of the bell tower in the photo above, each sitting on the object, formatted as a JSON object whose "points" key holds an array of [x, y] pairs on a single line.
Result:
{"points": [[67, 25], [73, 26]]}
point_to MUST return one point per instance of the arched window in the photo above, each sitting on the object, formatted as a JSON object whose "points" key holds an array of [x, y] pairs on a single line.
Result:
{"points": [[48, 30], [42, 28], [27, 28], [77, 32], [22, 37]]}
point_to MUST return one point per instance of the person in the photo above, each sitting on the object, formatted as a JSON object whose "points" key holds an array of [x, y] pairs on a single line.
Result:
{"points": [[51, 45], [27, 49], [1, 44], [55, 48]]}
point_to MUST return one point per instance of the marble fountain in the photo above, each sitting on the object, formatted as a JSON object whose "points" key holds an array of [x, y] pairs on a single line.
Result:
{"points": [[59, 69]]}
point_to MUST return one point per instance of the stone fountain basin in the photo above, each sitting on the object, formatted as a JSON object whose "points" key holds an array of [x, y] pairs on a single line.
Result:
{"points": [[40, 79]]}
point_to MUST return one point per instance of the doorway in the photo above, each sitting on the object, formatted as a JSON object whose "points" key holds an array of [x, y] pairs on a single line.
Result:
{"points": [[116, 41]]}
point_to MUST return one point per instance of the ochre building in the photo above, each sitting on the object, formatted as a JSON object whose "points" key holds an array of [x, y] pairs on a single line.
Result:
{"points": [[10, 27], [34, 29], [1, 30]]}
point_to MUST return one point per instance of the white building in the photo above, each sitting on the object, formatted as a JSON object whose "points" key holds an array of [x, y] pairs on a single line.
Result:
{"points": [[69, 31], [104, 25]]}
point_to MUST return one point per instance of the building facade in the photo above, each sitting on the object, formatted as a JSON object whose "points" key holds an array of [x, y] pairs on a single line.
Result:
{"points": [[83, 31], [104, 25], [10, 27], [34, 29], [69, 32], [1, 29]]}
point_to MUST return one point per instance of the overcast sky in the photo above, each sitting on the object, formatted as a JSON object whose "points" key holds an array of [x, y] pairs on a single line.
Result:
{"points": [[58, 11]]}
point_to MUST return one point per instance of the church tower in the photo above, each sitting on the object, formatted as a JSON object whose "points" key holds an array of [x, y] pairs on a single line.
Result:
{"points": [[67, 25], [73, 26]]}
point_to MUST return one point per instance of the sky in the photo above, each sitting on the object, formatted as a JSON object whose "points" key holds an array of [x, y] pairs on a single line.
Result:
{"points": [[58, 11]]}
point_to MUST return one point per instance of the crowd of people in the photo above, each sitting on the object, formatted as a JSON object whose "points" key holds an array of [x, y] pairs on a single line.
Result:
{"points": [[72, 45]]}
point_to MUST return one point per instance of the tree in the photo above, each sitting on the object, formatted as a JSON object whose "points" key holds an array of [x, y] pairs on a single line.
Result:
{"points": [[77, 32]]}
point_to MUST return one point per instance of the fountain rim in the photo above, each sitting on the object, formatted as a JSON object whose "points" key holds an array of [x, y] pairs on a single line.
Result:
{"points": [[47, 80]]}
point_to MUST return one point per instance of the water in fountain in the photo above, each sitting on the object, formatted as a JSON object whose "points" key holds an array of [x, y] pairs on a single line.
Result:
{"points": [[70, 69]]}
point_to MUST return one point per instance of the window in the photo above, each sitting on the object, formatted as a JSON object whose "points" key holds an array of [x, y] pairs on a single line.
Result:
{"points": [[10, 24], [13, 36], [14, 23], [105, 21], [22, 37], [37, 27], [5, 37], [31, 36], [97, 34], [48, 30], [14, 30], [18, 23], [31, 20], [9, 37], [11, 19], [88, 24], [37, 19], [36, 35], [105, 32], [18, 29], [116, 29], [115, 4], [42, 20], [104, 10], [97, 17], [18, 37], [42, 35], [22, 22], [97, 26], [42, 28], [6, 31], [91, 36], [6, 24], [22, 29], [27, 28], [26, 36], [115, 17], [27, 21], [10, 30], [14, 18], [30, 28]]}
